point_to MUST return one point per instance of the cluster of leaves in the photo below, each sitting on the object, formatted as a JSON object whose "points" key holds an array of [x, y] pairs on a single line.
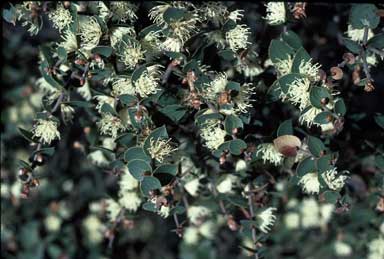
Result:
{"points": [[169, 108]]}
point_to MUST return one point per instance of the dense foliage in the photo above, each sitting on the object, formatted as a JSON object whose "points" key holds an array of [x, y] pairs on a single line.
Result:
{"points": [[192, 130]]}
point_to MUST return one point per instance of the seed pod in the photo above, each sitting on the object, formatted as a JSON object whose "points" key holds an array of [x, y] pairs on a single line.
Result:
{"points": [[356, 75], [368, 87], [67, 4], [349, 58], [232, 223], [287, 145], [336, 73]]}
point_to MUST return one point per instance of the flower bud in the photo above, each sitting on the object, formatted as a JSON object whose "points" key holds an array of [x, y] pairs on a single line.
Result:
{"points": [[349, 58], [336, 73]]}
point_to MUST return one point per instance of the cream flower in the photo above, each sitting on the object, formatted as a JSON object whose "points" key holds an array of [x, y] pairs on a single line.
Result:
{"points": [[61, 17], [46, 131], [241, 165], [197, 213], [237, 38], [267, 219], [326, 211], [130, 200], [148, 82], [122, 86], [119, 32], [358, 34], [310, 183], [97, 158], [213, 10], [191, 235], [334, 181], [308, 117], [102, 99], [342, 249], [69, 42], [243, 99], [276, 13], [127, 181], [164, 211], [172, 44], [93, 229], [159, 149], [110, 125], [103, 10], [157, 12], [310, 213], [236, 15], [52, 223], [298, 93], [227, 183], [376, 248], [124, 11], [269, 153], [90, 33], [250, 70], [309, 69], [192, 187], [131, 54], [184, 29], [213, 134], [216, 86], [112, 209], [283, 66], [292, 220], [208, 229]]}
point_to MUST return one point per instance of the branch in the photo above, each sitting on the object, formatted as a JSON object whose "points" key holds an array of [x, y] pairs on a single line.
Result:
{"points": [[250, 204]]}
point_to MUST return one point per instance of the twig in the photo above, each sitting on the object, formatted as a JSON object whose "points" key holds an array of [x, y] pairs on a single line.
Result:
{"points": [[58, 102], [377, 51], [250, 204], [364, 56]]}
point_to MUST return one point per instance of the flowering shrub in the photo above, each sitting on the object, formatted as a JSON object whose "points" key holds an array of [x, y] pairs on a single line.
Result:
{"points": [[201, 120]]}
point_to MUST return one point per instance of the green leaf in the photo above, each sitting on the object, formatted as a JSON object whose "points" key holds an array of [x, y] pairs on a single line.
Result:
{"points": [[158, 133], [292, 39], [379, 161], [323, 117], [324, 163], [137, 73], [173, 14], [362, 15], [175, 112], [106, 108], [104, 51], [166, 169], [331, 196], [62, 53], [221, 148], [232, 122], [279, 50], [285, 128], [352, 46], [211, 116], [127, 139], [306, 166], [376, 41], [137, 168], [316, 146], [81, 104], [127, 99], [301, 55], [136, 153], [317, 94], [231, 85], [26, 134], [227, 54], [49, 151], [10, 15], [340, 107], [285, 81], [149, 206], [148, 184], [237, 146], [379, 119]]}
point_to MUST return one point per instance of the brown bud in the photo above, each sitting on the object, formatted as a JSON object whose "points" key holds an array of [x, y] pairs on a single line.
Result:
{"points": [[223, 158], [224, 98], [25, 192], [39, 158], [324, 101], [139, 115], [87, 130], [349, 58], [356, 75], [380, 205], [235, 131], [322, 75], [67, 4], [336, 73], [329, 118], [368, 87], [80, 61], [232, 223], [34, 183], [128, 224], [380, 12]]}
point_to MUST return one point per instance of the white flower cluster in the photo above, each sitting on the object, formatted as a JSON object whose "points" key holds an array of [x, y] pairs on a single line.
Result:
{"points": [[60, 17], [197, 213], [213, 134], [358, 34], [110, 125], [309, 69], [46, 131], [122, 85], [69, 42], [298, 93], [93, 229], [267, 219], [284, 66], [237, 37], [227, 183], [148, 82], [309, 115], [242, 100], [90, 33], [376, 248], [268, 152], [159, 149], [216, 86], [131, 53], [310, 183], [333, 180], [276, 13], [124, 11]]}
